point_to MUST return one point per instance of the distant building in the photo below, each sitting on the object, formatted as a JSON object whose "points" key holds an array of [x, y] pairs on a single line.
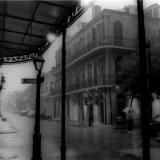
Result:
{"points": [[46, 91]]}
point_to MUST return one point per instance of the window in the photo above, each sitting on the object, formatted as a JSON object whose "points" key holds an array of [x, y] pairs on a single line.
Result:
{"points": [[95, 73], [89, 74], [118, 33], [94, 37]]}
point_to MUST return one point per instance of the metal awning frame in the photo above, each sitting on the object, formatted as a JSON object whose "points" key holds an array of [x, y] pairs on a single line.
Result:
{"points": [[68, 20]]}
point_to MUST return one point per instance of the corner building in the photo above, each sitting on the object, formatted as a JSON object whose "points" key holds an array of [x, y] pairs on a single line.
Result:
{"points": [[92, 61]]}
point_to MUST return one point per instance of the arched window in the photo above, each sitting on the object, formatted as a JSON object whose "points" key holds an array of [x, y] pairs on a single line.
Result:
{"points": [[118, 33], [99, 33]]}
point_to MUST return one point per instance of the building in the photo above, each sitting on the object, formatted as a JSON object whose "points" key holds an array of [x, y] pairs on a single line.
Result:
{"points": [[93, 55], [46, 90], [91, 71]]}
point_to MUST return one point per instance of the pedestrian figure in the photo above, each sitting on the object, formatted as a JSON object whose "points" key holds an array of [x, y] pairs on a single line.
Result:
{"points": [[129, 117]]}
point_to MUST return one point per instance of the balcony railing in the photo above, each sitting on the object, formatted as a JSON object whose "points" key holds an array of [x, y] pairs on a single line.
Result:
{"points": [[107, 80], [79, 50]]}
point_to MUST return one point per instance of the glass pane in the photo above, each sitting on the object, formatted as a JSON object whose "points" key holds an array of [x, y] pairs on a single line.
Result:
{"points": [[102, 98]]}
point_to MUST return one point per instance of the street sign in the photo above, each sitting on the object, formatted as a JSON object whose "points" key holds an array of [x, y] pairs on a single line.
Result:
{"points": [[29, 81]]}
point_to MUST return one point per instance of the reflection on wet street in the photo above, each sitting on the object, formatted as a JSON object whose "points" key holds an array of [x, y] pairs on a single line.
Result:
{"points": [[102, 142]]}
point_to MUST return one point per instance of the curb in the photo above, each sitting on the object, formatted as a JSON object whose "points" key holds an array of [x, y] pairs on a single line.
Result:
{"points": [[7, 132]]}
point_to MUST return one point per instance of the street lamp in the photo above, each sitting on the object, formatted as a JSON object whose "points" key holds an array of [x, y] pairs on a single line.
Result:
{"points": [[38, 63]]}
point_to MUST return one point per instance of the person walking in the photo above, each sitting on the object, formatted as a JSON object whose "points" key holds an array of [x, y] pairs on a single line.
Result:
{"points": [[129, 117]]}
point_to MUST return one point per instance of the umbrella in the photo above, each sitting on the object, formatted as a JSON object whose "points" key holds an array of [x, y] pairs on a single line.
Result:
{"points": [[126, 109], [134, 110]]}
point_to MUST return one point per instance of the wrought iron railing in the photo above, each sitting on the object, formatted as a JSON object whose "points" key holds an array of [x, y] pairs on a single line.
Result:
{"points": [[90, 45], [99, 81], [106, 80]]}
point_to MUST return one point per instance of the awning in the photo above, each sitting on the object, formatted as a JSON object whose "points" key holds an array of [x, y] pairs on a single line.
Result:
{"points": [[25, 24]]}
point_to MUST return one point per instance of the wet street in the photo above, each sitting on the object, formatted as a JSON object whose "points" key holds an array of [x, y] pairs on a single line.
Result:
{"points": [[102, 142]]}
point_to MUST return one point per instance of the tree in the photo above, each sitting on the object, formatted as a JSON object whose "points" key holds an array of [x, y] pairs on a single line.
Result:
{"points": [[129, 73]]}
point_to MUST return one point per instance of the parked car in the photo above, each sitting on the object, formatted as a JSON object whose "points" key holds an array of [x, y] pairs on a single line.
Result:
{"points": [[24, 113], [31, 114], [155, 126]]}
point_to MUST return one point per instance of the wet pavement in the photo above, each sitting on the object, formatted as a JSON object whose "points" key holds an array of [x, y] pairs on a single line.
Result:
{"points": [[102, 142]]}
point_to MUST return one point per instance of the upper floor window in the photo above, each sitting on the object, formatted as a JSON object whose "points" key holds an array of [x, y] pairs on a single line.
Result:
{"points": [[99, 33], [95, 72], [155, 12], [93, 37], [89, 72], [118, 33]]}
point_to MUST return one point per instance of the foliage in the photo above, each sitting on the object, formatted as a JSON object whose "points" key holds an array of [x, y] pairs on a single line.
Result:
{"points": [[129, 73]]}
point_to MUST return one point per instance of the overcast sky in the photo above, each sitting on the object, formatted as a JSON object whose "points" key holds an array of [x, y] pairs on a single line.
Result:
{"points": [[14, 73]]}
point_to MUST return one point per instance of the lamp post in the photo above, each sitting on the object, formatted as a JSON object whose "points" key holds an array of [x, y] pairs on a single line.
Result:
{"points": [[38, 63]]}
